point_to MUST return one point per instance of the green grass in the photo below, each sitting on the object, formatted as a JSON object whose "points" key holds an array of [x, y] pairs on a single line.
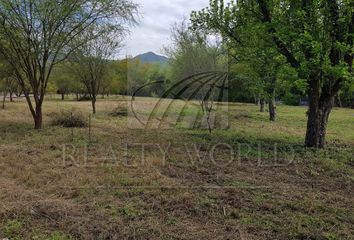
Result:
{"points": [[12, 228]]}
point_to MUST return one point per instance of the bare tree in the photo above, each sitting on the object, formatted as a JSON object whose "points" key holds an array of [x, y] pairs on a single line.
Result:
{"points": [[91, 62], [37, 34]]}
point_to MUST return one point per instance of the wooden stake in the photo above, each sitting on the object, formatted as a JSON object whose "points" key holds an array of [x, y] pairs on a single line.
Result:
{"points": [[89, 128]]}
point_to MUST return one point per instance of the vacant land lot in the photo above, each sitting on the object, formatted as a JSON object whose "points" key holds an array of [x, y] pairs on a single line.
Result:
{"points": [[254, 180]]}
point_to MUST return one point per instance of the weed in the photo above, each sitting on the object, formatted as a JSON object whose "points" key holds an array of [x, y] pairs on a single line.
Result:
{"points": [[12, 228]]}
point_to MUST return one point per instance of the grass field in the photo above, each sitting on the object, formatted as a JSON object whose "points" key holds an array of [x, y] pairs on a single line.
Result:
{"points": [[254, 180]]}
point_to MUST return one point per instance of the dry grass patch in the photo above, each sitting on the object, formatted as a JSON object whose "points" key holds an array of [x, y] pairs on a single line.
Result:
{"points": [[113, 194]]}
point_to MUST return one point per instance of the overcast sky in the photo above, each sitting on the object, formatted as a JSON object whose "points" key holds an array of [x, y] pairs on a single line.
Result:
{"points": [[155, 21]]}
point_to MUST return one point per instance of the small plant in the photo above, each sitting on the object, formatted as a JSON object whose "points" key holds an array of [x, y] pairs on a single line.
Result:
{"points": [[131, 212], [57, 235], [69, 119], [12, 228]]}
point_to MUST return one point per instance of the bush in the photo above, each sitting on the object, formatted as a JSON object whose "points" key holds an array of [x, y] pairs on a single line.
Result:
{"points": [[119, 112], [291, 99], [69, 119]]}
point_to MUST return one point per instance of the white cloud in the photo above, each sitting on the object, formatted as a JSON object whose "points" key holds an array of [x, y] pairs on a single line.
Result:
{"points": [[155, 21]]}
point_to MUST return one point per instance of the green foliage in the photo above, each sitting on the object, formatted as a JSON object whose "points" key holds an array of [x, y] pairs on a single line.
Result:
{"points": [[60, 236], [8, 81], [193, 53], [313, 37], [90, 62], [13, 228], [151, 79], [120, 81], [245, 84], [307, 30], [64, 81], [117, 72], [248, 45], [346, 95], [291, 99]]}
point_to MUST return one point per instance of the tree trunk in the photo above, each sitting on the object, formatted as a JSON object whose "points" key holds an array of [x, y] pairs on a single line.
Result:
{"points": [[62, 96], [18, 93], [272, 110], [94, 105], [262, 103], [38, 117], [35, 111], [256, 100], [11, 98], [338, 101], [3, 100], [318, 114]]}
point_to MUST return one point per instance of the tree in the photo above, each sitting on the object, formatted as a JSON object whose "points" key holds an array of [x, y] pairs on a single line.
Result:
{"points": [[7, 81], [157, 77], [37, 34], [137, 76], [63, 79], [322, 40], [192, 52], [198, 65], [291, 89], [247, 43], [246, 85], [91, 62], [264, 59], [347, 95], [119, 82], [314, 36]]}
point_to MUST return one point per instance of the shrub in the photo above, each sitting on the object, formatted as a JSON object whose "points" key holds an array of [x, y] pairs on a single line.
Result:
{"points": [[84, 98], [291, 99], [119, 112], [69, 119]]}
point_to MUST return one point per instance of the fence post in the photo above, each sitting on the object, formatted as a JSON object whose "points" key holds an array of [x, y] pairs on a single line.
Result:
{"points": [[89, 128]]}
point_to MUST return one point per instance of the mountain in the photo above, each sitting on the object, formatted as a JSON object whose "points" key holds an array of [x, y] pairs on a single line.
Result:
{"points": [[151, 57]]}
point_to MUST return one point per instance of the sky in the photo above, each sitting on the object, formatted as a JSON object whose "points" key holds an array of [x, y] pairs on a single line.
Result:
{"points": [[154, 24]]}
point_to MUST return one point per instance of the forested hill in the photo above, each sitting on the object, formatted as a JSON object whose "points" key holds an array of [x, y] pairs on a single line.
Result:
{"points": [[151, 57]]}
